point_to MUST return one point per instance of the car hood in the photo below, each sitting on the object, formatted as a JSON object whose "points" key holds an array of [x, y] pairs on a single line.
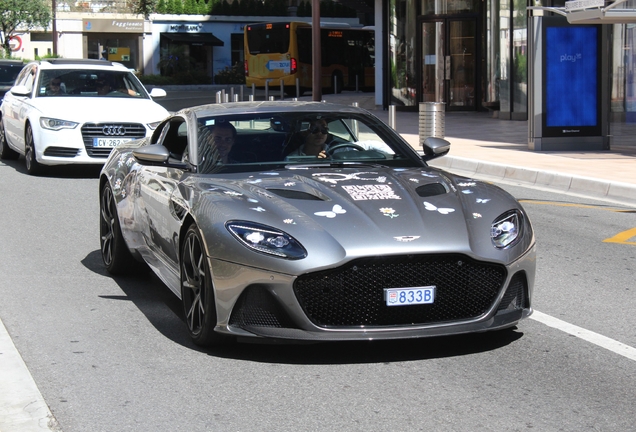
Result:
{"points": [[343, 213], [95, 109]]}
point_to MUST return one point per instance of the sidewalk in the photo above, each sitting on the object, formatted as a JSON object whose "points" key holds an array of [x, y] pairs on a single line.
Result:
{"points": [[496, 149]]}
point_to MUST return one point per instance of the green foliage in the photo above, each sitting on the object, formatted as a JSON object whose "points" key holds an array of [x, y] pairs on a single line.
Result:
{"points": [[190, 7], [144, 7], [24, 14], [162, 7], [233, 75]]}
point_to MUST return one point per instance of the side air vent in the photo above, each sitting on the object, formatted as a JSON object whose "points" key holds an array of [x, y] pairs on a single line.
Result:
{"points": [[295, 194], [431, 190]]}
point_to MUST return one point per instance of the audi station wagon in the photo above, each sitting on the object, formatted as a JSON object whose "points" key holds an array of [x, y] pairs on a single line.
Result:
{"points": [[64, 111], [264, 235]]}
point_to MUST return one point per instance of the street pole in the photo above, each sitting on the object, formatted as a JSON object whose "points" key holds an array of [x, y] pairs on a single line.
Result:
{"points": [[316, 58], [54, 24]]}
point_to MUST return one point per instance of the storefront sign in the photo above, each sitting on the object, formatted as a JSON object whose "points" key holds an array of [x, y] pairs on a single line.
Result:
{"points": [[175, 28], [113, 26]]}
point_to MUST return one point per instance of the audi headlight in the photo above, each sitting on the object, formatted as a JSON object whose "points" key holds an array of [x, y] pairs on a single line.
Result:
{"points": [[506, 229], [56, 124], [267, 240]]}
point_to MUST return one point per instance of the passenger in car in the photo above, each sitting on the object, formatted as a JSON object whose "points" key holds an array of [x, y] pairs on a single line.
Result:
{"points": [[215, 145], [315, 140], [55, 87]]}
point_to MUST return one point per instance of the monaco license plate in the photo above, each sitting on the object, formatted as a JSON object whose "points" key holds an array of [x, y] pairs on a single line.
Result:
{"points": [[409, 296], [109, 142]]}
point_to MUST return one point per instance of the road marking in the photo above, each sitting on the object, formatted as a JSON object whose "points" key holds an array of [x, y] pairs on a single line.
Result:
{"points": [[22, 407], [587, 335], [622, 237]]}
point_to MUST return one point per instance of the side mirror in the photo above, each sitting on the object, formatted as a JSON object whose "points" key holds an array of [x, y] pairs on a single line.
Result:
{"points": [[20, 91], [435, 147], [157, 93], [152, 154]]}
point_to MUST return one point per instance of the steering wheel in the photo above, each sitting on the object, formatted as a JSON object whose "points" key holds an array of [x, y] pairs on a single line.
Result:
{"points": [[332, 149]]}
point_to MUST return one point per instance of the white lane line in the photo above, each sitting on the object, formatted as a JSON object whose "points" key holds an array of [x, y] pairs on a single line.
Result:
{"points": [[22, 407], [587, 335]]}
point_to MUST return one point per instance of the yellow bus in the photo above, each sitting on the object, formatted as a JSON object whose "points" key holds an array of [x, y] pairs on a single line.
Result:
{"points": [[283, 51]]}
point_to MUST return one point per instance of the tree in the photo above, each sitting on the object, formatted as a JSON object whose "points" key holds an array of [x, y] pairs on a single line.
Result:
{"points": [[23, 15], [143, 7]]}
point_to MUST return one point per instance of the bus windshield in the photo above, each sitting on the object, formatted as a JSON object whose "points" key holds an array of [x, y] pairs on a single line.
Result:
{"points": [[270, 39]]}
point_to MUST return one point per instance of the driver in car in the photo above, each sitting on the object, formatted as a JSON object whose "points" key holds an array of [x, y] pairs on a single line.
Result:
{"points": [[315, 140]]}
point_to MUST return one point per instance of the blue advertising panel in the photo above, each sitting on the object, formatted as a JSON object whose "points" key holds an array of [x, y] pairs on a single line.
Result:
{"points": [[571, 79]]}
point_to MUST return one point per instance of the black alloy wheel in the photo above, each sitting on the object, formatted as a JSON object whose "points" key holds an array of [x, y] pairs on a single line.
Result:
{"points": [[197, 292], [32, 165], [115, 254], [6, 152]]}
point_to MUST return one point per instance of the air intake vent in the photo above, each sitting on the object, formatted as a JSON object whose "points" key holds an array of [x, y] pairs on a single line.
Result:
{"points": [[295, 194], [431, 190]]}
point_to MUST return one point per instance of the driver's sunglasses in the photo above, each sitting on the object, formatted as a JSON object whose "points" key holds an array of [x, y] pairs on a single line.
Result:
{"points": [[322, 129]]}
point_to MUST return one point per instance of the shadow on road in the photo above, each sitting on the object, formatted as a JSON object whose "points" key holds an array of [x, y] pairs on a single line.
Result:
{"points": [[164, 311]]}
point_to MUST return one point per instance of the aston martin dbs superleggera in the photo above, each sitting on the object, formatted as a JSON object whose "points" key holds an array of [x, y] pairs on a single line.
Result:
{"points": [[263, 236]]}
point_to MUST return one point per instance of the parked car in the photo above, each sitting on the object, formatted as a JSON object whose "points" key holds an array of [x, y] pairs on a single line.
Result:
{"points": [[9, 70], [64, 111], [365, 241]]}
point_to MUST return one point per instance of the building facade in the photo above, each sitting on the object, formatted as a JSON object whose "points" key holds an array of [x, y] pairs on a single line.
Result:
{"points": [[473, 55]]}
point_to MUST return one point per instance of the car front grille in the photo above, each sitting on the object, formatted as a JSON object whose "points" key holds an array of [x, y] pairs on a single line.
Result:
{"points": [[101, 130], [353, 295]]}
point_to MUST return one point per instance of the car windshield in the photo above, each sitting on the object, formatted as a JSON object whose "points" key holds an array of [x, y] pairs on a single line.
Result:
{"points": [[8, 73], [89, 83], [249, 142]]}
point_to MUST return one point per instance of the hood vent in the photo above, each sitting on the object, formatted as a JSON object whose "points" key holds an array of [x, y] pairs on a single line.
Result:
{"points": [[295, 194], [431, 190]]}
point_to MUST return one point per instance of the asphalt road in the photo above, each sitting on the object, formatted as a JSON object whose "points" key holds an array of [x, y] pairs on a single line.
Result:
{"points": [[112, 354]]}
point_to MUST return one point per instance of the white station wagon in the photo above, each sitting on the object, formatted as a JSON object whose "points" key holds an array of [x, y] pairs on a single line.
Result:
{"points": [[65, 111]]}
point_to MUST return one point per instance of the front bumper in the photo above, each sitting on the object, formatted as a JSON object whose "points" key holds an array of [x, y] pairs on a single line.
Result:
{"points": [[267, 306]]}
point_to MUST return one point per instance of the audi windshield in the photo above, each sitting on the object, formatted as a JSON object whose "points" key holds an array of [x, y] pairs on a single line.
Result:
{"points": [[89, 83]]}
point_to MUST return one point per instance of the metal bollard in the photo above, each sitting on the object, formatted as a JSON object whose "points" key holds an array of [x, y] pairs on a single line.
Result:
{"points": [[253, 91], [392, 119], [251, 98], [282, 91], [271, 98], [432, 120], [226, 98], [218, 97], [266, 89], [231, 93], [241, 91], [297, 88], [235, 98]]}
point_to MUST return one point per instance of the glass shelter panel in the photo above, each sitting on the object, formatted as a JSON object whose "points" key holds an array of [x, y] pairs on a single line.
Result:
{"points": [[433, 60], [462, 63]]}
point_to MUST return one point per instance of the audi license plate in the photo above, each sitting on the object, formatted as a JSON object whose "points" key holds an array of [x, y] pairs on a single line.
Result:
{"points": [[409, 296], [109, 142]]}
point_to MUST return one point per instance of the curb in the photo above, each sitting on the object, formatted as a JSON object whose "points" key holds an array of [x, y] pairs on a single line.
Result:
{"points": [[555, 181]]}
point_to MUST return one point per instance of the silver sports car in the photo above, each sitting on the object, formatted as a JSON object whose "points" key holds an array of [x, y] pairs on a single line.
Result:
{"points": [[310, 221]]}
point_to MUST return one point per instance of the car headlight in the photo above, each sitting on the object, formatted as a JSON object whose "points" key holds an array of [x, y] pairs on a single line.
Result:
{"points": [[506, 229], [154, 125], [267, 240], [56, 124]]}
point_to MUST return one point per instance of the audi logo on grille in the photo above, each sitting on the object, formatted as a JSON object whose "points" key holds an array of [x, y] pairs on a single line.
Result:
{"points": [[114, 130]]}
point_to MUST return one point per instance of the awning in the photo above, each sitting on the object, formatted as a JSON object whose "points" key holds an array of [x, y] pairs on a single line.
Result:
{"points": [[194, 38], [592, 12]]}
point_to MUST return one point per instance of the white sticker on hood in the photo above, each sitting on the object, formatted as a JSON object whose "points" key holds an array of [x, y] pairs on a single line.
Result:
{"points": [[370, 192]]}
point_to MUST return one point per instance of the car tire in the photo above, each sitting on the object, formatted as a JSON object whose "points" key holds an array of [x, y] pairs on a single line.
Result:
{"points": [[32, 165], [115, 254], [6, 152], [197, 291]]}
